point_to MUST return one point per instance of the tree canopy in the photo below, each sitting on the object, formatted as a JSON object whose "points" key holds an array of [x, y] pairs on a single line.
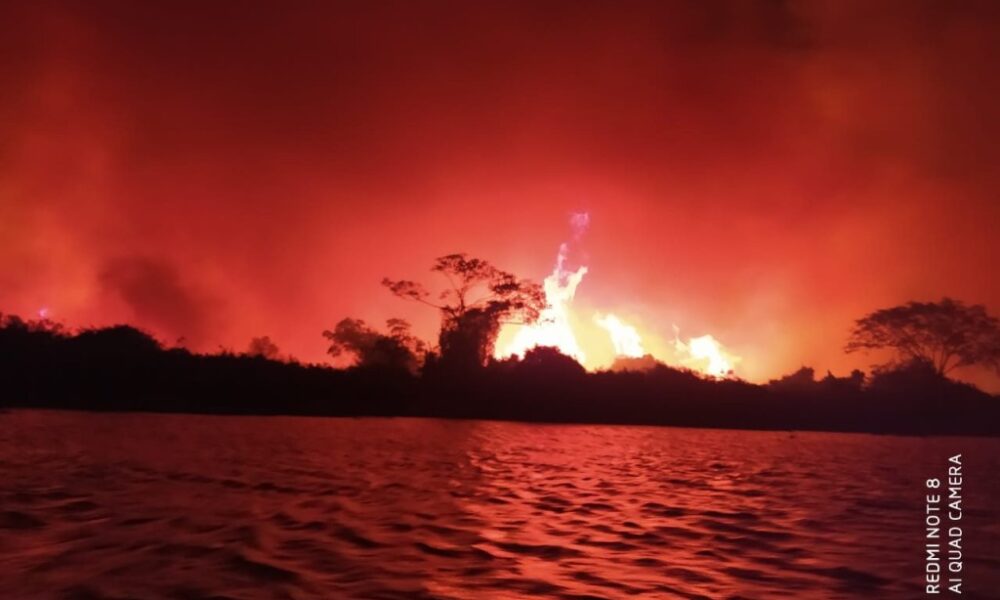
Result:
{"points": [[477, 300], [398, 349], [263, 347], [946, 334]]}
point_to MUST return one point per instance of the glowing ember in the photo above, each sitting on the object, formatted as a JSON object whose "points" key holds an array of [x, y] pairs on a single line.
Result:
{"points": [[625, 338]]}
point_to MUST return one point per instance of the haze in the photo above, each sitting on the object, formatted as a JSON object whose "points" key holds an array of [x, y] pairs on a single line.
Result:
{"points": [[764, 172]]}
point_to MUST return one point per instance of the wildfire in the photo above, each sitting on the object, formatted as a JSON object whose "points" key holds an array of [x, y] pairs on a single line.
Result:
{"points": [[558, 326], [553, 326], [624, 337], [705, 354]]}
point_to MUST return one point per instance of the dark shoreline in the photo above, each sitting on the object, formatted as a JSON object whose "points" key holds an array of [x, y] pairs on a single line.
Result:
{"points": [[10, 408], [124, 369], [601, 398]]}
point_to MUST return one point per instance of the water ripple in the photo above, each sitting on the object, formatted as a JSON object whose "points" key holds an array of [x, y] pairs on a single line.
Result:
{"points": [[231, 507]]}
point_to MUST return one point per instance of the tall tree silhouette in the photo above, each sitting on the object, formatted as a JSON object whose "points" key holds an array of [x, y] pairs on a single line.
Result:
{"points": [[478, 299], [945, 334]]}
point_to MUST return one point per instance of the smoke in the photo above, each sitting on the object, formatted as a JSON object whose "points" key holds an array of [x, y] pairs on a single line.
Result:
{"points": [[554, 327], [571, 252], [767, 171], [579, 222], [157, 297]]}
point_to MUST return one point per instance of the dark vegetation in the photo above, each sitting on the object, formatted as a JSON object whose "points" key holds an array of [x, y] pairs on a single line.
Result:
{"points": [[944, 335], [478, 299], [122, 368], [396, 374]]}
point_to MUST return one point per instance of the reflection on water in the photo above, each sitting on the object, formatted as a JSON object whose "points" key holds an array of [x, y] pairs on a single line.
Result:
{"points": [[173, 506]]}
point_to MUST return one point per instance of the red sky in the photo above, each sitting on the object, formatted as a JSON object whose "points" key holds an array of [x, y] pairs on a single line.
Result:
{"points": [[765, 172]]}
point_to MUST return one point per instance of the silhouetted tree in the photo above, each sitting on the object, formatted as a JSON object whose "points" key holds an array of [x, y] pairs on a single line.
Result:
{"points": [[478, 300], [912, 378], [14, 323], [549, 362], [123, 368], [263, 347], [399, 349], [945, 334], [802, 380], [854, 381], [121, 342]]}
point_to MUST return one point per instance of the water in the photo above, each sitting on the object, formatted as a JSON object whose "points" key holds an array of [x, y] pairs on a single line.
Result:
{"points": [[176, 506]]}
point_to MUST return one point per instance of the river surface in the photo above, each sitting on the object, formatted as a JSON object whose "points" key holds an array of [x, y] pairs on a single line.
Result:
{"points": [[178, 506]]}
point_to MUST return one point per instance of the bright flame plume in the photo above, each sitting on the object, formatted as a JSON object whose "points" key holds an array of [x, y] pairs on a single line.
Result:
{"points": [[705, 354], [624, 337], [554, 327]]}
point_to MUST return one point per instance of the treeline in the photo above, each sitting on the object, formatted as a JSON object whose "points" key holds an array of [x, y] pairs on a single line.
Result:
{"points": [[122, 368]]}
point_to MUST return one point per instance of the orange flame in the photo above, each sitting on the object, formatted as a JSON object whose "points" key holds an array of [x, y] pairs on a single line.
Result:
{"points": [[705, 354], [555, 327], [624, 337]]}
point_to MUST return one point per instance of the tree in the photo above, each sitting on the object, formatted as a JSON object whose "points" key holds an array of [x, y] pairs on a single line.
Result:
{"points": [[549, 362], [263, 347], [397, 350], [802, 380], [479, 299], [946, 334]]}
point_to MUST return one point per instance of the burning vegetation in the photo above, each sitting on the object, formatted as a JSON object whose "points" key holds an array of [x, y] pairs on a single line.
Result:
{"points": [[512, 349], [489, 314], [124, 369]]}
